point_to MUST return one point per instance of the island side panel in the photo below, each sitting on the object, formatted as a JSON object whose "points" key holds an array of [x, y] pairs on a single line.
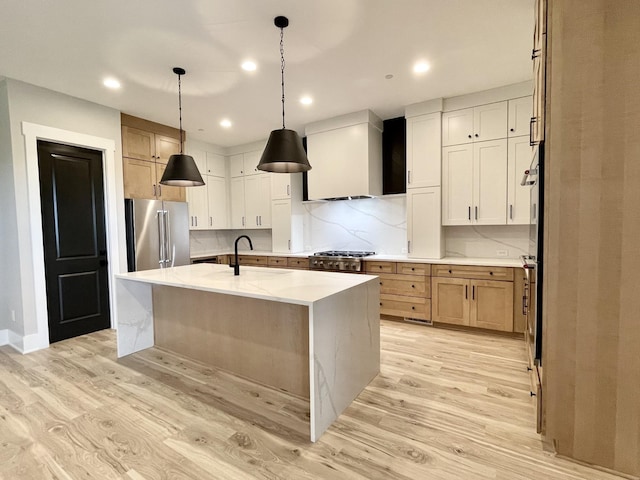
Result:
{"points": [[134, 316], [264, 341], [345, 351]]}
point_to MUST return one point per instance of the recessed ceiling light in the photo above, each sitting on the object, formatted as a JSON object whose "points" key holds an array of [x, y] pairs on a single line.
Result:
{"points": [[420, 67], [226, 123], [249, 66], [111, 83], [306, 100]]}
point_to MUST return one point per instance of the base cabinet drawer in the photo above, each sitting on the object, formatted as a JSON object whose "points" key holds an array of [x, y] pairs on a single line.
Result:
{"points": [[293, 262], [472, 272], [402, 306], [277, 262], [258, 260], [409, 285], [405, 268], [379, 267]]}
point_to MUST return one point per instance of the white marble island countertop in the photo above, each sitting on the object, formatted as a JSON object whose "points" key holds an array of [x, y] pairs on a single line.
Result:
{"points": [[302, 287]]}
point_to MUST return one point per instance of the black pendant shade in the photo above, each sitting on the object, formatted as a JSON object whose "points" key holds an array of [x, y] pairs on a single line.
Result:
{"points": [[284, 153], [181, 169]]}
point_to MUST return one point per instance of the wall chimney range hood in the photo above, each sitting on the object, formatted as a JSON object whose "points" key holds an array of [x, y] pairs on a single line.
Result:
{"points": [[346, 153]]}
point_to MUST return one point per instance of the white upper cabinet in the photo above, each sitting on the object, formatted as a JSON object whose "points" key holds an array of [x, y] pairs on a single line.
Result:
{"points": [[251, 160], [477, 124], [236, 165], [257, 200], [519, 156], [424, 149], [218, 217], [424, 234], [474, 183], [520, 111], [281, 186], [281, 225], [197, 196], [215, 165]]}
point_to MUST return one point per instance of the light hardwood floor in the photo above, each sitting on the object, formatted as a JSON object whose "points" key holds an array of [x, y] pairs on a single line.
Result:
{"points": [[446, 405]]}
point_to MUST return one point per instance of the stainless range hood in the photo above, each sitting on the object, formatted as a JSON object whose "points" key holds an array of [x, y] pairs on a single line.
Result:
{"points": [[346, 154]]}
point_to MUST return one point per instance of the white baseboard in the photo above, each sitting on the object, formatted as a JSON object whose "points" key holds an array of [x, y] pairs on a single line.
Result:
{"points": [[26, 344], [4, 337]]}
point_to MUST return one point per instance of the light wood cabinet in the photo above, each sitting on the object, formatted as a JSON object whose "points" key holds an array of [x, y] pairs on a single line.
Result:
{"points": [[474, 302], [152, 143], [474, 184], [477, 124], [424, 149]]}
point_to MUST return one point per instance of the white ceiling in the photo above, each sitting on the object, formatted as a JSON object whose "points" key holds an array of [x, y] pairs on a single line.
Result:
{"points": [[337, 51]]}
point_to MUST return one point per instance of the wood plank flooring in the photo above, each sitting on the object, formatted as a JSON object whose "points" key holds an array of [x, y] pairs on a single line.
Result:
{"points": [[446, 405]]}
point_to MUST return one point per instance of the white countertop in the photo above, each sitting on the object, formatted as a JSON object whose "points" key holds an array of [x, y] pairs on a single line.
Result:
{"points": [[301, 287], [476, 261]]}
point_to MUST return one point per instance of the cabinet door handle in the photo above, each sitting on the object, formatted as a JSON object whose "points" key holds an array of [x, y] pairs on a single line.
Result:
{"points": [[159, 190], [288, 190], [289, 244], [476, 212], [257, 220], [211, 221], [260, 218], [510, 212], [466, 292], [532, 141], [473, 292], [196, 221], [243, 221], [154, 189], [409, 177], [408, 246], [469, 212]]}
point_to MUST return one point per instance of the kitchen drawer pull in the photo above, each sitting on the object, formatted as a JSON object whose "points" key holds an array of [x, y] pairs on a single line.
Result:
{"points": [[449, 271], [413, 286], [413, 308], [466, 292], [490, 273]]}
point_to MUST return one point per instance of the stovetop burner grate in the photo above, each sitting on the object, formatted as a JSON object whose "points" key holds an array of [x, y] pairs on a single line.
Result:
{"points": [[344, 253]]}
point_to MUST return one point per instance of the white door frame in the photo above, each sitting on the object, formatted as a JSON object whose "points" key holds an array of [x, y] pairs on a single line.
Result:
{"points": [[114, 209]]}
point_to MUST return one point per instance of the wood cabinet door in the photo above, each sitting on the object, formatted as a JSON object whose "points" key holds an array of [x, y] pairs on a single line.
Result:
{"points": [[520, 111], [490, 122], [138, 144], [165, 147], [492, 305], [139, 178], [519, 157], [457, 127], [450, 300], [165, 192], [217, 203], [457, 184], [424, 150], [490, 183]]}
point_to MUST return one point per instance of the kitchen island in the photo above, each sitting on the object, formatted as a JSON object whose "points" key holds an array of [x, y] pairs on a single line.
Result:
{"points": [[313, 334]]}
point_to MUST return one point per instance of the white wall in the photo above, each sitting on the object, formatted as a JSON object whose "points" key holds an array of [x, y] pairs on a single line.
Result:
{"points": [[10, 277], [35, 105]]}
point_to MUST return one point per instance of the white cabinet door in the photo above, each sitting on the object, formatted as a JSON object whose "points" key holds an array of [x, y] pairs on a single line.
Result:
{"points": [[424, 233], [251, 160], [236, 165], [518, 199], [280, 186], [237, 203], [490, 182], [457, 184], [520, 112], [217, 201], [490, 122], [424, 149], [457, 127], [198, 209], [257, 199], [215, 165], [281, 225]]}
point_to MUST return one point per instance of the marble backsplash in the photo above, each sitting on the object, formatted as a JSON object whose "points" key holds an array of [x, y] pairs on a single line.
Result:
{"points": [[373, 224]]}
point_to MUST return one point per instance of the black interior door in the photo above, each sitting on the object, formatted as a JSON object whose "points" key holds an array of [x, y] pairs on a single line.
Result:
{"points": [[75, 245]]}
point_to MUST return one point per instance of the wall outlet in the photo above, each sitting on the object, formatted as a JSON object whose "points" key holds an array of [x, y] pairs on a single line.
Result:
{"points": [[13, 316], [502, 253]]}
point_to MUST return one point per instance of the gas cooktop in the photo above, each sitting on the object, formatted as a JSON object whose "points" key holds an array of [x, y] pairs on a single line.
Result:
{"points": [[338, 260], [344, 253]]}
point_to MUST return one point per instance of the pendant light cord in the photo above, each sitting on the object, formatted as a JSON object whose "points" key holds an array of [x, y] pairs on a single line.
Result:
{"points": [[282, 70], [180, 109]]}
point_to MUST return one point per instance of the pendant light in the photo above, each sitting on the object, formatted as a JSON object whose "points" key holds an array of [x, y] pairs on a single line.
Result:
{"points": [[181, 169], [284, 152]]}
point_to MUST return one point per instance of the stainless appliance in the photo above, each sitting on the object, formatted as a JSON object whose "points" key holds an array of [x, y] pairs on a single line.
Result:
{"points": [[157, 234], [338, 260], [534, 262]]}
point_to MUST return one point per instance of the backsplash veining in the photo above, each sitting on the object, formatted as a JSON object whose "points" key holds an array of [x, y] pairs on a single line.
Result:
{"points": [[205, 242]]}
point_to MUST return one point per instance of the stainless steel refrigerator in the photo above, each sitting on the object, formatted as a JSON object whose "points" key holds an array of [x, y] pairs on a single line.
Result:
{"points": [[157, 234]]}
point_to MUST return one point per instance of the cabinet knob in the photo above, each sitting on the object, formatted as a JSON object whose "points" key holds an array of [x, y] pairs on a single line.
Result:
{"points": [[413, 286], [512, 129], [379, 266], [449, 271], [490, 273], [413, 308], [380, 283], [477, 135], [470, 136], [412, 269], [380, 303]]}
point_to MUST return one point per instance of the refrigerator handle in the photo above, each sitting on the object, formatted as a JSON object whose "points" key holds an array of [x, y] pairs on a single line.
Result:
{"points": [[161, 244], [168, 259]]}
